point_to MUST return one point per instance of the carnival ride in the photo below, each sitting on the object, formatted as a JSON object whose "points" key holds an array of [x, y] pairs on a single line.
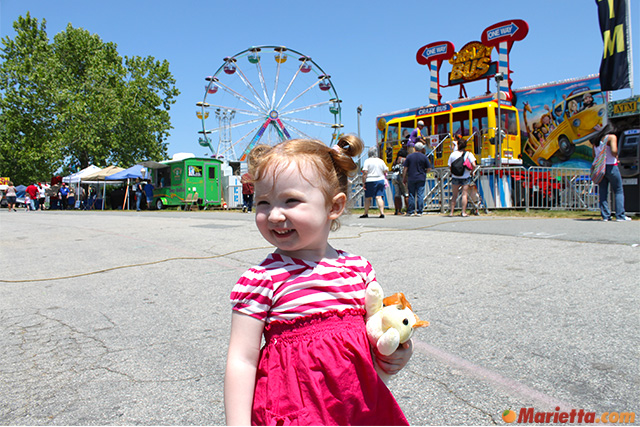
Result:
{"points": [[267, 94]]}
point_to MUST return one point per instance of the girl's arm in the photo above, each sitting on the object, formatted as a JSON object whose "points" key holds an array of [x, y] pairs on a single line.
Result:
{"points": [[242, 362], [612, 141]]}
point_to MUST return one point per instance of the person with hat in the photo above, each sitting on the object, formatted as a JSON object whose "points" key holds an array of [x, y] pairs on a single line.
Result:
{"points": [[416, 135], [416, 166]]}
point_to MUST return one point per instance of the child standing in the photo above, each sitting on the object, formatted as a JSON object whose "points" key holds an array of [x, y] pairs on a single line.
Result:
{"points": [[307, 298]]}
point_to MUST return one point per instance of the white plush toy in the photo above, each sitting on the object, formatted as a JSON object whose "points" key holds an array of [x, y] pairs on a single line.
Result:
{"points": [[390, 321]]}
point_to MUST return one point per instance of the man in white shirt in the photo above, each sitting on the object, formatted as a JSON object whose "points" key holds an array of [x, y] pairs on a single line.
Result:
{"points": [[374, 178]]}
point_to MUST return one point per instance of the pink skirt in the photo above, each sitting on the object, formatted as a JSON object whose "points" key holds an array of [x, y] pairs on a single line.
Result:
{"points": [[318, 370]]}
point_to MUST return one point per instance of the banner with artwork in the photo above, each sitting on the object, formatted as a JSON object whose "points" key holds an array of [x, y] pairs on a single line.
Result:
{"points": [[557, 119]]}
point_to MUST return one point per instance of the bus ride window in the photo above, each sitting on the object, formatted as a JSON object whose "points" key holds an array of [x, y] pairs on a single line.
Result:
{"points": [[392, 134], [442, 130], [406, 133], [442, 124], [480, 125], [461, 123], [426, 130], [509, 122], [405, 130], [512, 123]]}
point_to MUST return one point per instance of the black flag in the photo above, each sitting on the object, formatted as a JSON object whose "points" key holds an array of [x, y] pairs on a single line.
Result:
{"points": [[614, 69]]}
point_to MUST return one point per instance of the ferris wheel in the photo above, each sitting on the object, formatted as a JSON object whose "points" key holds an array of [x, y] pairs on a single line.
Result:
{"points": [[267, 94]]}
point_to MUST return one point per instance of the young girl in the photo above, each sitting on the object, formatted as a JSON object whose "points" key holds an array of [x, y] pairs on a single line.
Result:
{"points": [[316, 367]]}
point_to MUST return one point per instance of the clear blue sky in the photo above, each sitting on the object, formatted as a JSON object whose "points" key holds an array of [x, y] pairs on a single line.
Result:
{"points": [[368, 47]]}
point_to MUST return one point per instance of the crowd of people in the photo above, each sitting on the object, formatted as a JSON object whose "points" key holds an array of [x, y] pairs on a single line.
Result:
{"points": [[409, 175], [39, 196]]}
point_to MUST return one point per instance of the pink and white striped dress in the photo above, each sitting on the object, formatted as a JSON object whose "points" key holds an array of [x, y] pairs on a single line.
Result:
{"points": [[316, 367]]}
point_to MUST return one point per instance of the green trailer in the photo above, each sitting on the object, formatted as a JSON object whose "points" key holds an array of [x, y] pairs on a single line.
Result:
{"points": [[194, 180]]}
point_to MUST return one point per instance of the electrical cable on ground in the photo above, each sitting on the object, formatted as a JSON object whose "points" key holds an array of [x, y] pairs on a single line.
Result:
{"points": [[143, 264]]}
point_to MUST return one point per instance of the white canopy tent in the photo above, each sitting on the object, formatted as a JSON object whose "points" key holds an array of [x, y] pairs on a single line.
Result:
{"points": [[98, 177], [75, 178]]}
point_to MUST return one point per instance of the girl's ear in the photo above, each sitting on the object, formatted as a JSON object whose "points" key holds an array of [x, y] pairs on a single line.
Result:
{"points": [[338, 203]]}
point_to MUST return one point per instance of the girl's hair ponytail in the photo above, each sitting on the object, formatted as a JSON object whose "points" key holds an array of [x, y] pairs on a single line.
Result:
{"points": [[347, 147]]}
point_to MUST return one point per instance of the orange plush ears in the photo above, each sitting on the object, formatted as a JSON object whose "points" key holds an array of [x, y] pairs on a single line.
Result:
{"points": [[399, 299]]}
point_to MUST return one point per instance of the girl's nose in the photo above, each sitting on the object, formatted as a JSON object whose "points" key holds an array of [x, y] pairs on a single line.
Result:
{"points": [[276, 215]]}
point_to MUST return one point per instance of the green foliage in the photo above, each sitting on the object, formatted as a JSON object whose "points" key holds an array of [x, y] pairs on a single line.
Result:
{"points": [[30, 149], [89, 75], [147, 96], [76, 102]]}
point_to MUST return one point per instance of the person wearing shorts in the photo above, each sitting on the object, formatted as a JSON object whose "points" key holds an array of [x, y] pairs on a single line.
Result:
{"points": [[374, 178], [11, 197], [463, 180]]}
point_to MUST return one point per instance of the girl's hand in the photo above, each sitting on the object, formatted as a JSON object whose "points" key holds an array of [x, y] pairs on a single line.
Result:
{"points": [[396, 361]]}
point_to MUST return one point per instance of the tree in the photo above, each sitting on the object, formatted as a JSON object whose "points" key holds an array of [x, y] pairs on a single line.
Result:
{"points": [[90, 77], [113, 112], [75, 102], [29, 146], [148, 94]]}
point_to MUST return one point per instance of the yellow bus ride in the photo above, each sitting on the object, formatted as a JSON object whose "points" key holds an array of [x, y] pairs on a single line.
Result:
{"points": [[474, 119]]}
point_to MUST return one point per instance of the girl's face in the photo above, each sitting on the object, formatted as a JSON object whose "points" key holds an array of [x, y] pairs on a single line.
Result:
{"points": [[292, 214]]}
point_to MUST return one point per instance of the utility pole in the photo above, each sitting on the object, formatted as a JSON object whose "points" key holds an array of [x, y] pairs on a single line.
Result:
{"points": [[498, 160], [359, 111]]}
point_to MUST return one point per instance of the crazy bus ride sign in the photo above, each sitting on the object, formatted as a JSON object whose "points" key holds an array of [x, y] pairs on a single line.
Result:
{"points": [[473, 61]]}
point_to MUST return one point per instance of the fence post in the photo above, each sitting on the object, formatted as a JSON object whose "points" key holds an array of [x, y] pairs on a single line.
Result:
{"points": [[526, 190]]}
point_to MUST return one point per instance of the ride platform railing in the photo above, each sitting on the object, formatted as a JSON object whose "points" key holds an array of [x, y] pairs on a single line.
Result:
{"points": [[508, 188]]}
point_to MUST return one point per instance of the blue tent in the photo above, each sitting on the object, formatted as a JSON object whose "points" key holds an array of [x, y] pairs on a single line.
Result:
{"points": [[131, 173]]}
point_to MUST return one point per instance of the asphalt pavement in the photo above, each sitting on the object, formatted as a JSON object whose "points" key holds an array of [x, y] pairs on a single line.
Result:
{"points": [[121, 318]]}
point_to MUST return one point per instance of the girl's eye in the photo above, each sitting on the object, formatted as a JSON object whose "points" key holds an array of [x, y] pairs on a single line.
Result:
{"points": [[289, 201], [263, 203]]}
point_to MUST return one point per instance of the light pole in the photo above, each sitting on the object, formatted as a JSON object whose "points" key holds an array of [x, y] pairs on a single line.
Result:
{"points": [[498, 161], [359, 111]]}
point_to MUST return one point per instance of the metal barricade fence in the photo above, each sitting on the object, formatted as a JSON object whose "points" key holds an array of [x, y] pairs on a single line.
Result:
{"points": [[507, 188], [537, 188], [563, 189]]}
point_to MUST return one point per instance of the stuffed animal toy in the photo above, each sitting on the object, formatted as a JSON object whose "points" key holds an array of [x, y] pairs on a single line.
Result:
{"points": [[390, 321]]}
